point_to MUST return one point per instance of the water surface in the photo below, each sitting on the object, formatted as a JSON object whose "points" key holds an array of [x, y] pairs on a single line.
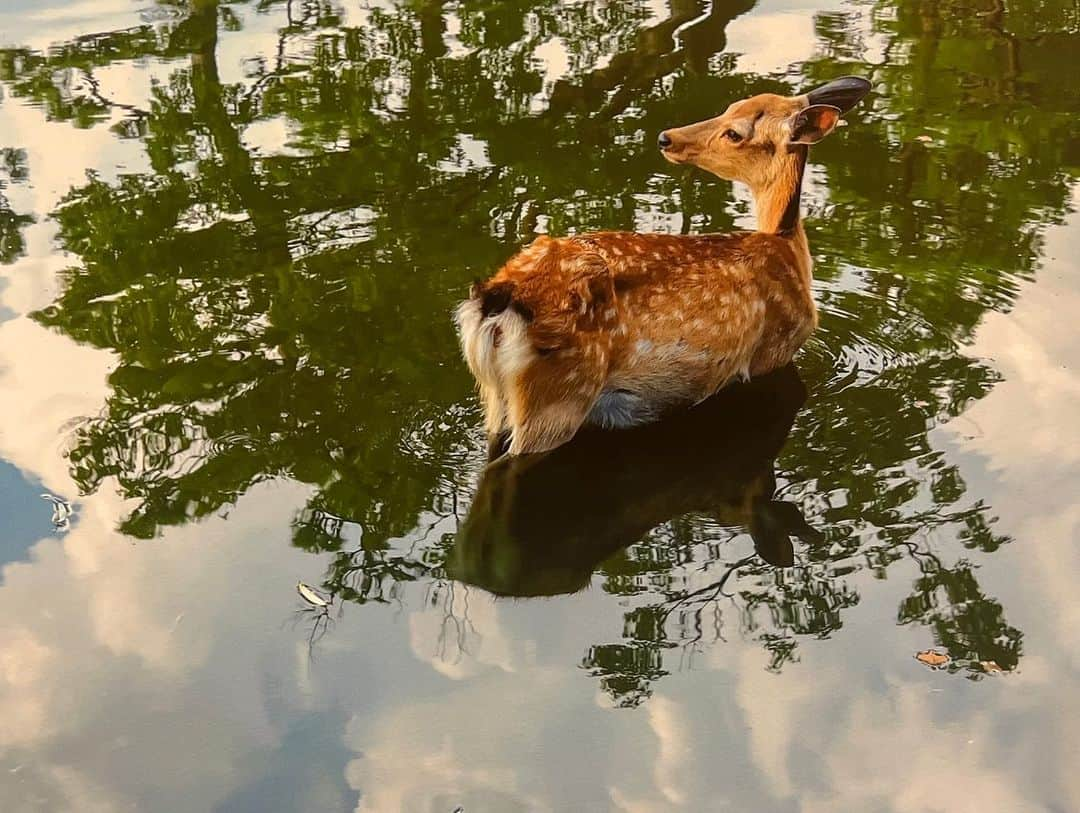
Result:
{"points": [[231, 236]]}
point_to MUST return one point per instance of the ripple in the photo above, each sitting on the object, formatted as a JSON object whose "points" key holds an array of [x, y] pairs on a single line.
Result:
{"points": [[863, 335]]}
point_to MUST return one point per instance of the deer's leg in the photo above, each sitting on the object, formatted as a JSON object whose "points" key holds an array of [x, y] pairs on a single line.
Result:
{"points": [[495, 421], [544, 429], [498, 444], [550, 401]]}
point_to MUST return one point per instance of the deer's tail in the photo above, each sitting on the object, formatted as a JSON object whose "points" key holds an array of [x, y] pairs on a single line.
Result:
{"points": [[493, 334]]}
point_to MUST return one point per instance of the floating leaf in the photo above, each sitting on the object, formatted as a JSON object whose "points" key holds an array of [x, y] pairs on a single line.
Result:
{"points": [[990, 666], [310, 596], [61, 513], [932, 658]]}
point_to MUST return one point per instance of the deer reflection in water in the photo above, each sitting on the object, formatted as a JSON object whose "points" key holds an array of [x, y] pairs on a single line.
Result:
{"points": [[541, 524]]}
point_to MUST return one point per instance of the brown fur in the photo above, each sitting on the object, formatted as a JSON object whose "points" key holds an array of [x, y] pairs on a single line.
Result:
{"points": [[617, 327]]}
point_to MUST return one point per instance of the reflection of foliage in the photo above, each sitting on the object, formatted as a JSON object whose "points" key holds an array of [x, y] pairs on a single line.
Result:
{"points": [[626, 671], [273, 278], [970, 626], [280, 309], [14, 167]]}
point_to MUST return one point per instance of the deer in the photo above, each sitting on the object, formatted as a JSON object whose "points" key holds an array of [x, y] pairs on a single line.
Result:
{"points": [[617, 329]]}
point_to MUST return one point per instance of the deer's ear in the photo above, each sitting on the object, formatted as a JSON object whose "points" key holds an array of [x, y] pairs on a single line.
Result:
{"points": [[845, 92], [811, 125]]}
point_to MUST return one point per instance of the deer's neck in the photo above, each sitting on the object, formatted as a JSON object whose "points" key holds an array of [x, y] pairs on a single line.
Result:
{"points": [[777, 205], [777, 202]]}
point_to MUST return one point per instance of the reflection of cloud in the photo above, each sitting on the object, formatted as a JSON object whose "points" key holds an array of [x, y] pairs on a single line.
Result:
{"points": [[896, 752], [1026, 430], [778, 34], [774, 715], [56, 381], [769, 43], [668, 723], [270, 137], [459, 634], [554, 59], [839, 736], [1025, 438], [452, 751], [51, 380], [106, 645], [24, 662], [41, 23], [63, 789], [674, 764], [109, 650]]}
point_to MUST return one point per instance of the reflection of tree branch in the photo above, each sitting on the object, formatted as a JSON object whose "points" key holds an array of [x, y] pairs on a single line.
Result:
{"points": [[209, 104], [995, 21], [95, 93], [655, 54], [461, 626], [716, 588], [926, 560]]}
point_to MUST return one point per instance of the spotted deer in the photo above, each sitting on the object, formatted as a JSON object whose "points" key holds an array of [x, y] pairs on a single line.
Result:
{"points": [[616, 328]]}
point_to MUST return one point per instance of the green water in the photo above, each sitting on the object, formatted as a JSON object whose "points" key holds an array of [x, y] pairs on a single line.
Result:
{"points": [[231, 237]]}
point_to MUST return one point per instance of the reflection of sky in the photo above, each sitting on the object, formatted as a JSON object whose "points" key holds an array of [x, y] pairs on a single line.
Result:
{"points": [[40, 23], [24, 516], [174, 675]]}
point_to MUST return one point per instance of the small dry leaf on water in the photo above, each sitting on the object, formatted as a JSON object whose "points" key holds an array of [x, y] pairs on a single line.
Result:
{"points": [[990, 666], [932, 658], [310, 596]]}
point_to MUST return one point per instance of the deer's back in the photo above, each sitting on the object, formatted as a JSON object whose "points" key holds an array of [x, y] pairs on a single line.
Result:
{"points": [[733, 303]]}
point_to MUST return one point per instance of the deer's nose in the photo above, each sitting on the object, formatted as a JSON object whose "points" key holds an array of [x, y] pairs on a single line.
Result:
{"points": [[663, 140]]}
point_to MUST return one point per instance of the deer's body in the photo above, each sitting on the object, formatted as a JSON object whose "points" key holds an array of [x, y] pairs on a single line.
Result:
{"points": [[616, 328]]}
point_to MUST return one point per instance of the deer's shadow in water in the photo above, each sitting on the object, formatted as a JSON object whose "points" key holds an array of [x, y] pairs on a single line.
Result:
{"points": [[540, 525]]}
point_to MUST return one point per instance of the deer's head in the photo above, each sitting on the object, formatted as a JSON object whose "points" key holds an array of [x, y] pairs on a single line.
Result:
{"points": [[753, 141]]}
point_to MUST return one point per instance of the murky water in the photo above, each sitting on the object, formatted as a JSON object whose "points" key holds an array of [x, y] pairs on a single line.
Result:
{"points": [[231, 235]]}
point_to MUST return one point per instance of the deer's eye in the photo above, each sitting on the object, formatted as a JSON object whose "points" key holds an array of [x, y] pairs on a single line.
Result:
{"points": [[732, 136]]}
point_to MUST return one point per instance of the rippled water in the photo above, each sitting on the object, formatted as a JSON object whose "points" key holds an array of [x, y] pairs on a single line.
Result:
{"points": [[231, 234]]}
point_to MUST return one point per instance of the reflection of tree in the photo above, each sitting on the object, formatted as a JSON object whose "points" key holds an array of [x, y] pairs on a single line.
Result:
{"points": [[230, 319], [632, 73], [248, 310], [626, 670], [14, 168], [280, 310], [969, 625]]}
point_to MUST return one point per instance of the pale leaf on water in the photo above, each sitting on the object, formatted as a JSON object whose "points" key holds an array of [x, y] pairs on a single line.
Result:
{"points": [[310, 596], [61, 511]]}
